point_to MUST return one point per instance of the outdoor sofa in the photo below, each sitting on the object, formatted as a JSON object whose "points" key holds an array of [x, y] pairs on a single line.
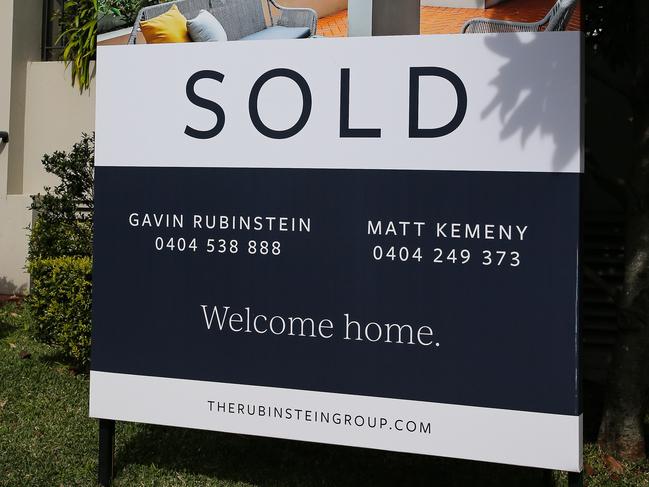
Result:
{"points": [[241, 19]]}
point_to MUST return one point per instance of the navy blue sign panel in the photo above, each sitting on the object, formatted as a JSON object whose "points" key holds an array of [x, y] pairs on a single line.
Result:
{"points": [[501, 310], [309, 258]]}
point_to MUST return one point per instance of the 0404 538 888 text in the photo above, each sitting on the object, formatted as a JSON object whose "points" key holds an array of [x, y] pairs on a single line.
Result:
{"points": [[217, 246]]}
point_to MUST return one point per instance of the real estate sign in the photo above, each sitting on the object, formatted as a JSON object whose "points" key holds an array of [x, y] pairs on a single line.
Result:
{"points": [[369, 242]]}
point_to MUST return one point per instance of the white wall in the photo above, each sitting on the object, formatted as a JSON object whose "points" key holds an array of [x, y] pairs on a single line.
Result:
{"points": [[26, 47], [14, 218], [55, 116]]}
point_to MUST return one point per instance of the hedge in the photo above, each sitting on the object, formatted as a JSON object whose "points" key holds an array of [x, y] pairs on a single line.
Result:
{"points": [[60, 304]]}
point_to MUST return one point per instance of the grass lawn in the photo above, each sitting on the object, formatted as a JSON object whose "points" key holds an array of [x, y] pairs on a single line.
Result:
{"points": [[47, 439]]}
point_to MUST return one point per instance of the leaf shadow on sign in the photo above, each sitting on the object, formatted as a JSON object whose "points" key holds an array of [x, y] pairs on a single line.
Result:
{"points": [[234, 459], [531, 89]]}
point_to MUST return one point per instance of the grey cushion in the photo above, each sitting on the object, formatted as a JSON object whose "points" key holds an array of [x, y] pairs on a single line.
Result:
{"points": [[206, 28], [279, 32]]}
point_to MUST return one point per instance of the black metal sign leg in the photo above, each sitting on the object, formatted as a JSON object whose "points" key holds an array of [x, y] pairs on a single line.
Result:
{"points": [[575, 479], [106, 451]]}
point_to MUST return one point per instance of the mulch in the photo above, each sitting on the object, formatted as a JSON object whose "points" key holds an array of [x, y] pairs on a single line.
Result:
{"points": [[10, 298]]}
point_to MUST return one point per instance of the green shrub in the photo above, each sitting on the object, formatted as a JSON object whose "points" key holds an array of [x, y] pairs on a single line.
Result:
{"points": [[60, 250], [49, 240], [60, 305], [64, 213]]}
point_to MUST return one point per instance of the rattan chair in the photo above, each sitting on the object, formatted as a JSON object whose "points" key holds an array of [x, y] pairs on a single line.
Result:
{"points": [[241, 19], [556, 19]]}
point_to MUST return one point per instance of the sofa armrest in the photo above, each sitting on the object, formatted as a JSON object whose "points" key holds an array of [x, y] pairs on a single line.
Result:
{"points": [[136, 28], [481, 25], [296, 17]]}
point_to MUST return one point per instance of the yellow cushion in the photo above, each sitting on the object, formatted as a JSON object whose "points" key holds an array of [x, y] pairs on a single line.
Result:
{"points": [[171, 26]]}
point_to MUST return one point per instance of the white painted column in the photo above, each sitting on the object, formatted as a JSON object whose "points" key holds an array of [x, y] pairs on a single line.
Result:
{"points": [[359, 18]]}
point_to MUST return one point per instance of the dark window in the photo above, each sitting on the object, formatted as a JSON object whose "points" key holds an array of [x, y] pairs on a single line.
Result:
{"points": [[50, 49]]}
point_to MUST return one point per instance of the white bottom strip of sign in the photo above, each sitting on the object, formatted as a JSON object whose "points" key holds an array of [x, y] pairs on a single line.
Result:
{"points": [[494, 435]]}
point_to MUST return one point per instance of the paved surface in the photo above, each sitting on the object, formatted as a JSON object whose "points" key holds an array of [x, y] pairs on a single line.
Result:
{"points": [[444, 20]]}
